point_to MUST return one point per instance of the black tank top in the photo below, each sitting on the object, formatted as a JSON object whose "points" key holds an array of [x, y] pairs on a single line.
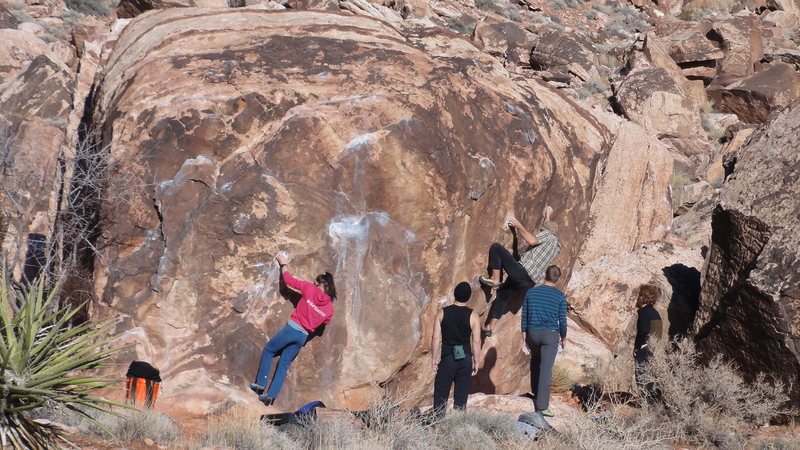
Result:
{"points": [[455, 326]]}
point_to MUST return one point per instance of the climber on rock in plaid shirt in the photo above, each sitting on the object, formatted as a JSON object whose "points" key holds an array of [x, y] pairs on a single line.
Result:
{"points": [[541, 249]]}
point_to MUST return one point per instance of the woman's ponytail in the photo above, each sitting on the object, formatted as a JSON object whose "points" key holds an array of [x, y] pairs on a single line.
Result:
{"points": [[326, 280]]}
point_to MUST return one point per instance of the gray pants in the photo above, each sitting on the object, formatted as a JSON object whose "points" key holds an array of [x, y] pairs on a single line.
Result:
{"points": [[544, 347]]}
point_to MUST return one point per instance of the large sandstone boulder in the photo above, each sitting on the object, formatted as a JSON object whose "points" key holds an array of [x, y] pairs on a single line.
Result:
{"points": [[34, 106], [389, 159], [740, 38], [565, 53], [603, 293], [638, 167], [655, 94], [504, 40], [17, 50], [750, 303], [753, 98]]}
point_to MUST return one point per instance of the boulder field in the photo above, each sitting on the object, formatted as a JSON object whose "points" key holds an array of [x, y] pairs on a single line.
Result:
{"points": [[371, 141], [389, 157]]}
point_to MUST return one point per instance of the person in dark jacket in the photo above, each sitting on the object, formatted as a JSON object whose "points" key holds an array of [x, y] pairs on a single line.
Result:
{"points": [[454, 350], [648, 330]]}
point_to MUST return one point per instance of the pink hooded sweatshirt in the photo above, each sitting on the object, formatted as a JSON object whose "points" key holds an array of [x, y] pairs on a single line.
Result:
{"points": [[314, 308]]}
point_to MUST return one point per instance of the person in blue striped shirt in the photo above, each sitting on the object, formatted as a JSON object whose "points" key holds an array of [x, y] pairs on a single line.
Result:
{"points": [[544, 324]]}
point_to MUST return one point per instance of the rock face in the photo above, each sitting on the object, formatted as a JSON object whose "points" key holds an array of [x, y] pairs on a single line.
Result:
{"points": [[603, 293], [390, 159], [655, 94], [750, 304], [753, 98]]}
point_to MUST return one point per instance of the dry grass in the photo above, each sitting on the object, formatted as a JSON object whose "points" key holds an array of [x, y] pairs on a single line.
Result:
{"points": [[563, 380], [619, 427], [710, 404], [242, 431]]}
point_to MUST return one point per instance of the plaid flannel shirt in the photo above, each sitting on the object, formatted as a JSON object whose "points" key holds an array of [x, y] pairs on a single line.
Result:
{"points": [[538, 258]]}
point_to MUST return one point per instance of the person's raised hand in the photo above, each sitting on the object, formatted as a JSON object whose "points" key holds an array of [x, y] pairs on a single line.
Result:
{"points": [[548, 210], [281, 259], [514, 222]]}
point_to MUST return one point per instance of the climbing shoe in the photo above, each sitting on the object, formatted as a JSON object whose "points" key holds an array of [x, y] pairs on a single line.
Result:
{"points": [[266, 399], [487, 332], [257, 388], [546, 412], [488, 282]]}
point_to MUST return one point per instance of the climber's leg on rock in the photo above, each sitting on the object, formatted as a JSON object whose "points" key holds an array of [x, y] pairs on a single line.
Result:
{"points": [[516, 277], [293, 342]]}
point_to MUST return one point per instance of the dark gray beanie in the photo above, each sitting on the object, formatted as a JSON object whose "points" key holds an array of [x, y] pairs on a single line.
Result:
{"points": [[462, 292]]}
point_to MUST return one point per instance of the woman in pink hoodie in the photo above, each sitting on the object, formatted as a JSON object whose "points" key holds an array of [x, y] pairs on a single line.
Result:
{"points": [[315, 308]]}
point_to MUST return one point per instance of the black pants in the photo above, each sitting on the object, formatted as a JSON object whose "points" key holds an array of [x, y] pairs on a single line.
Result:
{"points": [[516, 278], [451, 371], [642, 357]]}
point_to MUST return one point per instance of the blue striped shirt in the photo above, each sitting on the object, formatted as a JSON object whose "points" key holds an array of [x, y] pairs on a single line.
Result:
{"points": [[545, 307]]}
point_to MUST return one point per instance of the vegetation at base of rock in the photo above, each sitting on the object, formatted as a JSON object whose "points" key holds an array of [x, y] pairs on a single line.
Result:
{"points": [[679, 180], [241, 431], [563, 380], [697, 14], [43, 359], [709, 404], [458, 25], [89, 7], [508, 11], [565, 4]]}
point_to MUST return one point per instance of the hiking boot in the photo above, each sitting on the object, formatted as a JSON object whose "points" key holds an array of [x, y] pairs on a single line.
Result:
{"points": [[266, 399], [257, 388], [488, 282], [546, 412]]}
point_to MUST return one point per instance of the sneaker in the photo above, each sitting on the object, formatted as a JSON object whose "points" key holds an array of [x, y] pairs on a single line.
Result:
{"points": [[488, 282], [266, 399], [257, 388], [546, 412]]}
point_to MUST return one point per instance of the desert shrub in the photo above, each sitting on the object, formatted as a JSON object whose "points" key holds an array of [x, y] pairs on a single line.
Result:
{"points": [[713, 131], [89, 7], [626, 20], [507, 10], [242, 432], [396, 426], [45, 360], [334, 434], [592, 86], [565, 4], [778, 443], [476, 429], [489, 5], [563, 380], [709, 403], [697, 14], [679, 180], [459, 26], [617, 427]]}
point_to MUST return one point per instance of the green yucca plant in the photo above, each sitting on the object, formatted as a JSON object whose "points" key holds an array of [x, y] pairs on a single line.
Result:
{"points": [[42, 356]]}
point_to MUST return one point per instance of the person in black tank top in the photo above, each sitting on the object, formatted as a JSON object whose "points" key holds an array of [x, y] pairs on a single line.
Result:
{"points": [[454, 351]]}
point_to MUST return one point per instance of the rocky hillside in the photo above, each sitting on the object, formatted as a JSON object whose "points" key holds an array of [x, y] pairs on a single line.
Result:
{"points": [[388, 143]]}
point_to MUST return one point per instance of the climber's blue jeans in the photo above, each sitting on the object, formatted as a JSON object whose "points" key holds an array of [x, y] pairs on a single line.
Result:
{"points": [[288, 343]]}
